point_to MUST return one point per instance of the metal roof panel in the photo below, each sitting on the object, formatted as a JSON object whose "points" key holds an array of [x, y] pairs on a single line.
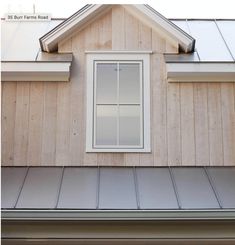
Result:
{"points": [[155, 189], [224, 181], [182, 24], [41, 188], [79, 188], [194, 189], [117, 189], [20, 40], [12, 181], [227, 29], [209, 42], [25, 46], [8, 34]]}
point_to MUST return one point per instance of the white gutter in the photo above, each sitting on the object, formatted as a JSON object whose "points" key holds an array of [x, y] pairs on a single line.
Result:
{"points": [[36, 71], [201, 72], [115, 215]]}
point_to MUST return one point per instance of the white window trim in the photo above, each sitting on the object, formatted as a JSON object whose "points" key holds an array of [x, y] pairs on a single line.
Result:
{"points": [[145, 58]]}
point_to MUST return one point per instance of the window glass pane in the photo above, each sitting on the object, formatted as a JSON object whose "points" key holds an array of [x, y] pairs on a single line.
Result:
{"points": [[129, 83], [106, 125], [129, 128], [106, 83]]}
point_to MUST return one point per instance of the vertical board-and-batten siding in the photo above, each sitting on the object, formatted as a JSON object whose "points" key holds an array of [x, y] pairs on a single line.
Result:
{"points": [[43, 123]]}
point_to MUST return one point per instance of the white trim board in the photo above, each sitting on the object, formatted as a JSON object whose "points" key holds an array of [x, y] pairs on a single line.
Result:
{"points": [[49, 42], [200, 72], [36, 71]]}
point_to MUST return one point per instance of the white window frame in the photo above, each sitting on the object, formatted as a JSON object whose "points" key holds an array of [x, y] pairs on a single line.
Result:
{"points": [[132, 57]]}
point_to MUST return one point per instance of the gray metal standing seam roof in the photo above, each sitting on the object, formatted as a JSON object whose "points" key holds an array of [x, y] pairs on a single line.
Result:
{"points": [[20, 40], [118, 188], [215, 40]]}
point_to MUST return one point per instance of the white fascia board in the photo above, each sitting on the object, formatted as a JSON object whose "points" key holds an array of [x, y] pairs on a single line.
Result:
{"points": [[49, 42], [201, 72], [35, 71], [162, 25]]}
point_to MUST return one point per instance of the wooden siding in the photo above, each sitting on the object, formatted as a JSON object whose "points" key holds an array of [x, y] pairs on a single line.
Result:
{"points": [[44, 123]]}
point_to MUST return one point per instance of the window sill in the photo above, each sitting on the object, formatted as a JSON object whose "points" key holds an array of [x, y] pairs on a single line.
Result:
{"points": [[146, 150]]}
